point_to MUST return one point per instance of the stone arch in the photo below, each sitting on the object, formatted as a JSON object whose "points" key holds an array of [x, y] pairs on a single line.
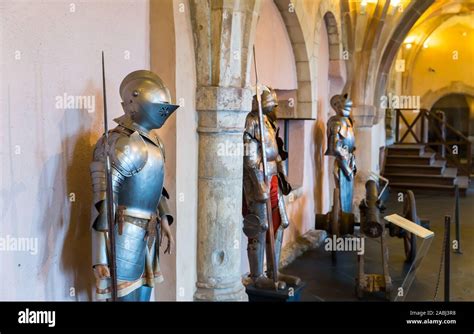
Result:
{"points": [[223, 49], [337, 67], [455, 87], [411, 14], [306, 53], [305, 96], [333, 36], [328, 13]]}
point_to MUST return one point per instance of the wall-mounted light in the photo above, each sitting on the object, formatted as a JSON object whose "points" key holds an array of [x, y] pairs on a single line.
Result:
{"points": [[396, 6], [425, 45], [410, 39], [394, 3], [363, 6]]}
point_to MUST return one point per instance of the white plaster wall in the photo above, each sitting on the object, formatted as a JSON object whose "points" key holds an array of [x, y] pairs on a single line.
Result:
{"points": [[315, 197], [323, 169], [163, 62], [275, 60], [171, 43], [57, 48], [369, 140], [186, 156], [301, 210], [378, 139]]}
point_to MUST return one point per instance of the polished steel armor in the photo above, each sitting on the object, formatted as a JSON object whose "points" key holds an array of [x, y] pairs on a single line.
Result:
{"points": [[341, 145], [140, 200], [256, 192]]}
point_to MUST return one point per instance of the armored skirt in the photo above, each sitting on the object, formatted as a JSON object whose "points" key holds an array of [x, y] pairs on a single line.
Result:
{"points": [[346, 187], [137, 261]]}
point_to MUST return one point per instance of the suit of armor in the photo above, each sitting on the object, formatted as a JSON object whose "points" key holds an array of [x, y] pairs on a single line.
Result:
{"points": [[256, 193], [341, 145], [137, 166]]}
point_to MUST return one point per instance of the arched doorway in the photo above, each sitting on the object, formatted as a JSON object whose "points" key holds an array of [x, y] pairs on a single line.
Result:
{"points": [[456, 109], [458, 114]]}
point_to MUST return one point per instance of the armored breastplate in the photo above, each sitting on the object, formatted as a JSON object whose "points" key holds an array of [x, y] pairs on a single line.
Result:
{"points": [[141, 192], [347, 134], [271, 147]]}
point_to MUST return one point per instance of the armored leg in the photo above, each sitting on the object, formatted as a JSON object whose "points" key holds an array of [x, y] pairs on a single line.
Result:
{"points": [[288, 279], [255, 229], [347, 188], [278, 244], [255, 251], [278, 239]]}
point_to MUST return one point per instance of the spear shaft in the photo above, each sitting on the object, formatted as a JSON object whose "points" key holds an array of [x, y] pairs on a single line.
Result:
{"points": [[265, 174], [109, 197]]}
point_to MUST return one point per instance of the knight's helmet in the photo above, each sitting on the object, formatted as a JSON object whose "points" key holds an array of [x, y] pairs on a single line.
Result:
{"points": [[342, 104], [146, 99], [269, 100]]}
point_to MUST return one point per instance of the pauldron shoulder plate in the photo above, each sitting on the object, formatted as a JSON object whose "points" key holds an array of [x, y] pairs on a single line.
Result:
{"points": [[334, 125], [251, 126], [129, 154]]}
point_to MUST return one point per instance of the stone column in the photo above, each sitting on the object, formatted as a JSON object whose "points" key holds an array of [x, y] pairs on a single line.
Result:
{"points": [[222, 113], [223, 38]]}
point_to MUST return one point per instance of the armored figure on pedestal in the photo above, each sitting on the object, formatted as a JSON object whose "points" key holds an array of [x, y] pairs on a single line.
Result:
{"points": [[341, 145], [257, 193], [141, 212]]}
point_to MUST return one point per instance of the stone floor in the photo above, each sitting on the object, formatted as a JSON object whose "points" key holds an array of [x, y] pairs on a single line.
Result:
{"points": [[336, 283]]}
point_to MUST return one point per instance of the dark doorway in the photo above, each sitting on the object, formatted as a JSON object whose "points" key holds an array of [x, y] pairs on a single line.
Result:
{"points": [[456, 110]]}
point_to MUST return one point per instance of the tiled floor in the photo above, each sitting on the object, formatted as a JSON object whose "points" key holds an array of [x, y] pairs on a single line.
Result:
{"points": [[328, 283]]}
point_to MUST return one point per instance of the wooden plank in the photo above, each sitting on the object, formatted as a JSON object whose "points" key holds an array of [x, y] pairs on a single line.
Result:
{"points": [[410, 226], [397, 126], [423, 137], [410, 127]]}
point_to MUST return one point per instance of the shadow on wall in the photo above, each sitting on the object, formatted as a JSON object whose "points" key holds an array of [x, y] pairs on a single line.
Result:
{"points": [[295, 212], [66, 194], [77, 252], [319, 139], [51, 199]]}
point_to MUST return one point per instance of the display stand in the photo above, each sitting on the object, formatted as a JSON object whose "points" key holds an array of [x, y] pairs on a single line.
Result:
{"points": [[372, 283], [427, 237], [289, 294]]}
